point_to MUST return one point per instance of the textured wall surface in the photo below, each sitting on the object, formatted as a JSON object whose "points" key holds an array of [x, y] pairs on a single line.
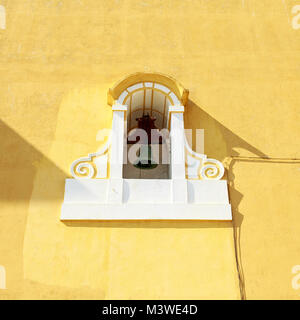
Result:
{"points": [[240, 61]]}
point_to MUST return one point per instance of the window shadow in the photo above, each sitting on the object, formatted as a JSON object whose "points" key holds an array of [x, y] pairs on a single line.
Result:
{"points": [[221, 143]]}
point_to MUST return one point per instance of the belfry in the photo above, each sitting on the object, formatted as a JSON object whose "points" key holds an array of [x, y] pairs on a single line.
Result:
{"points": [[126, 179]]}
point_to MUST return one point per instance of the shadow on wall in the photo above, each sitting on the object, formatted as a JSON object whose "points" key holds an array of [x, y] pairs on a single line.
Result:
{"points": [[19, 162], [221, 143]]}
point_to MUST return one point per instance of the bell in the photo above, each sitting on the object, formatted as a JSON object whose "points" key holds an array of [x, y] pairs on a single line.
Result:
{"points": [[144, 160], [144, 154]]}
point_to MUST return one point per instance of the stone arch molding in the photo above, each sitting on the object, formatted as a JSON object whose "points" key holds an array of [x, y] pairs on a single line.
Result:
{"points": [[148, 97], [151, 93], [163, 82], [195, 180]]}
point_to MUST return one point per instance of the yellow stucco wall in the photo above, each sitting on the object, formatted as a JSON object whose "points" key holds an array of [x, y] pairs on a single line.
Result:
{"points": [[240, 61]]}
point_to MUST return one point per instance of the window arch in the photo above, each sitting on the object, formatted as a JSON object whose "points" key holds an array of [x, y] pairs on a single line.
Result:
{"points": [[148, 98], [151, 93]]}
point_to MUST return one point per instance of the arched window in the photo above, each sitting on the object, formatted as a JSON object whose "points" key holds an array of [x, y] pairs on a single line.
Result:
{"points": [[189, 189], [147, 100]]}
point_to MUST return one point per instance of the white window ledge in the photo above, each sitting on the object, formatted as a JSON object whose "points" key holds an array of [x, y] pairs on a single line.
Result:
{"points": [[145, 199]]}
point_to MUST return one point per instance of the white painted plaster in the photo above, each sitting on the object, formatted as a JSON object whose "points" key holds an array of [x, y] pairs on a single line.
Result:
{"points": [[117, 144], [86, 191], [175, 99], [135, 87], [161, 87], [123, 95], [147, 191], [86, 199], [160, 211], [177, 146]]}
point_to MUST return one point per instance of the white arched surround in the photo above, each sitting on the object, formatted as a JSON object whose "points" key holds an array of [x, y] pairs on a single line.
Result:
{"points": [[155, 100], [148, 97], [193, 192]]}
